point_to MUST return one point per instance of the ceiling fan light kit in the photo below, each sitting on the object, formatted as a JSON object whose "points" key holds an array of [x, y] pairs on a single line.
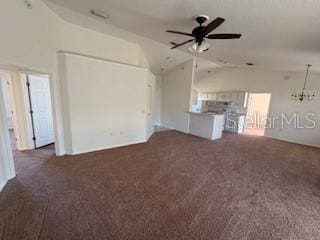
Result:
{"points": [[196, 48], [201, 34]]}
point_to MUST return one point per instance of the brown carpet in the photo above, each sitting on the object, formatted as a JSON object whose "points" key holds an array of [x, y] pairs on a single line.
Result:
{"points": [[176, 186]]}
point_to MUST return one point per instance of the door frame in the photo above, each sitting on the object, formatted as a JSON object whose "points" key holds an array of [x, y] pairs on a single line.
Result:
{"points": [[56, 107], [6, 158], [23, 123]]}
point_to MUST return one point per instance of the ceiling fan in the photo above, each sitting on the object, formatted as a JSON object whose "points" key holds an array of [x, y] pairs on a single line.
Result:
{"points": [[201, 33]]}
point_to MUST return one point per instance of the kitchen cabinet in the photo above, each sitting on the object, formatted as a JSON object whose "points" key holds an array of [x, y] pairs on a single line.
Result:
{"points": [[208, 96], [234, 97], [203, 96], [224, 96], [212, 96], [205, 125], [239, 99]]}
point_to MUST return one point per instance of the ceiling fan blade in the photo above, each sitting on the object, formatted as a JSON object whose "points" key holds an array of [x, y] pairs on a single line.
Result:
{"points": [[224, 36], [213, 25], [183, 43], [180, 33]]}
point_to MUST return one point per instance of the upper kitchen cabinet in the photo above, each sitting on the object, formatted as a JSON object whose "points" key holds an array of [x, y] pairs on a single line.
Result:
{"points": [[213, 96], [208, 96], [224, 96], [239, 99], [203, 96], [236, 98]]}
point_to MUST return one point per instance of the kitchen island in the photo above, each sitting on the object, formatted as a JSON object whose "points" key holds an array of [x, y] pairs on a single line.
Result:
{"points": [[206, 125]]}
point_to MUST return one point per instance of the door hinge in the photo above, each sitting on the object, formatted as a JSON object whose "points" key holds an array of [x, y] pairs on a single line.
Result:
{"points": [[33, 138], [28, 84], [31, 112]]}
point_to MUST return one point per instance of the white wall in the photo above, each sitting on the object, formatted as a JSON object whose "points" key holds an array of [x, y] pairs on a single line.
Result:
{"points": [[176, 97], [106, 103], [6, 161], [235, 79], [6, 97]]}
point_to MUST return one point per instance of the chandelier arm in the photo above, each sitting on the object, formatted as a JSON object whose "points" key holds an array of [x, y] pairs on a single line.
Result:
{"points": [[306, 78]]}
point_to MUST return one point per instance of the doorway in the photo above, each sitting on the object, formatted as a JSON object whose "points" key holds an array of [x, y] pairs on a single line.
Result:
{"points": [[28, 109], [17, 148], [257, 113]]}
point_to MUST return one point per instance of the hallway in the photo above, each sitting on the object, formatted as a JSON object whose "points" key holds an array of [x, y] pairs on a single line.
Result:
{"points": [[26, 160]]}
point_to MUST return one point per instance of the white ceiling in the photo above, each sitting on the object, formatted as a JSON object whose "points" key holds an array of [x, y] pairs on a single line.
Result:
{"points": [[277, 34]]}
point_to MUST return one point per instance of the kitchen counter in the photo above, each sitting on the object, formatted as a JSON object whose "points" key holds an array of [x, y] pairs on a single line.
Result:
{"points": [[206, 125]]}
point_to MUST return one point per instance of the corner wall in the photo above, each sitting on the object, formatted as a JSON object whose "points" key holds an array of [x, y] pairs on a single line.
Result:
{"points": [[107, 103], [176, 97]]}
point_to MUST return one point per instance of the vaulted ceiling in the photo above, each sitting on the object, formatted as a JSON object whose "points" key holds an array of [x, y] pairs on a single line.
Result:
{"points": [[279, 35]]}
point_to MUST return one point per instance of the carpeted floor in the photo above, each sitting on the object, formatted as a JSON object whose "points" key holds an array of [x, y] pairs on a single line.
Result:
{"points": [[176, 186]]}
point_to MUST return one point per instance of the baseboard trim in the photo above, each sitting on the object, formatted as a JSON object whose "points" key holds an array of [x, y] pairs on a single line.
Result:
{"points": [[3, 184], [292, 141], [106, 148]]}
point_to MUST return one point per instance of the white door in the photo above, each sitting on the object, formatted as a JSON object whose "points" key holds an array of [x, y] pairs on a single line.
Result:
{"points": [[42, 112]]}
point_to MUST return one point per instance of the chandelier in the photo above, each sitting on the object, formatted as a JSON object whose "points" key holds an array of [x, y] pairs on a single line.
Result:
{"points": [[304, 94]]}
